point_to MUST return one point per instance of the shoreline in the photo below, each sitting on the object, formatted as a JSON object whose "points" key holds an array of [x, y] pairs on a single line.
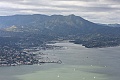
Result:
{"points": [[87, 46], [28, 56]]}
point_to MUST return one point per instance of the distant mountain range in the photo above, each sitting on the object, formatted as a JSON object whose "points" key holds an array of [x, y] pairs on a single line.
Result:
{"points": [[111, 25], [58, 26]]}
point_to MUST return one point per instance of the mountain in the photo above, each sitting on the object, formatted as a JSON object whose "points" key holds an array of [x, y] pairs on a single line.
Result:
{"points": [[39, 27], [58, 24], [113, 25], [110, 25]]}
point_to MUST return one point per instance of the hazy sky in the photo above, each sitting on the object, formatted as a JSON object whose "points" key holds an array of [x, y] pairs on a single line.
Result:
{"points": [[99, 11]]}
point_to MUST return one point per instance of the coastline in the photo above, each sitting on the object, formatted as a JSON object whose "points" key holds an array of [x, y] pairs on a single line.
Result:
{"points": [[90, 45], [28, 56]]}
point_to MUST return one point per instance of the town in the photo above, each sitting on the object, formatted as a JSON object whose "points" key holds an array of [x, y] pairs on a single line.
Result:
{"points": [[14, 57]]}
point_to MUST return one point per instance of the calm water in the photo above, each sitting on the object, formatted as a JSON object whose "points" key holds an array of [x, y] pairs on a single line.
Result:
{"points": [[79, 63]]}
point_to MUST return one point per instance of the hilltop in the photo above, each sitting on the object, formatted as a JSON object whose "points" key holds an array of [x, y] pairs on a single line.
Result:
{"points": [[34, 30]]}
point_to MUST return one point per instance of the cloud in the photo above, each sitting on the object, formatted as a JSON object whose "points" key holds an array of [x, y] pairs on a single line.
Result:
{"points": [[111, 1], [79, 0], [99, 11]]}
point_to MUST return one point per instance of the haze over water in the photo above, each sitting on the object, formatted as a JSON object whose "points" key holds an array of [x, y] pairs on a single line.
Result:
{"points": [[79, 63]]}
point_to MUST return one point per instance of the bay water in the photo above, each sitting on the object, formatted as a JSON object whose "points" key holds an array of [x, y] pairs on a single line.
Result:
{"points": [[78, 63]]}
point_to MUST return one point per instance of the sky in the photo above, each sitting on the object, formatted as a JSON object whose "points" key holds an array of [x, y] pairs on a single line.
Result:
{"points": [[98, 11]]}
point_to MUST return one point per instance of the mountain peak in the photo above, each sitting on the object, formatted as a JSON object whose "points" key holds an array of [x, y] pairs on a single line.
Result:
{"points": [[71, 15]]}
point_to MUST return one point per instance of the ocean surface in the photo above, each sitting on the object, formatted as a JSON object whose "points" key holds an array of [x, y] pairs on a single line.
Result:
{"points": [[78, 63]]}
